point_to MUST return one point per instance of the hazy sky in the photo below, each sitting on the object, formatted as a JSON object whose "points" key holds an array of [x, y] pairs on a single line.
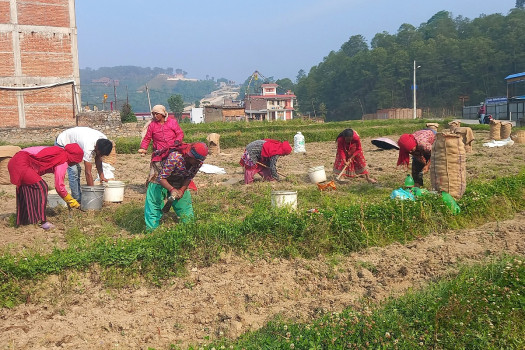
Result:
{"points": [[233, 38]]}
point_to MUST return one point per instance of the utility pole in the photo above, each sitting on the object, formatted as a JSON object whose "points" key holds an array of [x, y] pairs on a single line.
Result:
{"points": [[115, 93], [414, 87], [149, 101]]}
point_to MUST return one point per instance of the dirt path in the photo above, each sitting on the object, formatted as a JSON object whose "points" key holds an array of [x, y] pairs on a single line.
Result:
{"points": [[236, 295]]}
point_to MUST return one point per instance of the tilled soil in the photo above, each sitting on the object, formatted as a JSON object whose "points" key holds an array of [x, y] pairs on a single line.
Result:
{"points": [[75, 311]]}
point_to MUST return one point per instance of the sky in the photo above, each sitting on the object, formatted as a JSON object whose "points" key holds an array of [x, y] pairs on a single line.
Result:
{"points": [[232, 38]]}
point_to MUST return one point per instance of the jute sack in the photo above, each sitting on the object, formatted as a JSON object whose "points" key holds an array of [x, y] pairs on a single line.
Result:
{"points": [[519, 136], [454, 124], [467, 136], [495, 130], [433, 126], [214, 146], [111, 158], [448, 170], [506, 129], [6, 153]]}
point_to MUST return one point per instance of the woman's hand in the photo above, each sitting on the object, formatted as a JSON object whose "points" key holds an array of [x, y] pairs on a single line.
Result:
{"points": [[175, 193], [142, 151], [426, 167]]}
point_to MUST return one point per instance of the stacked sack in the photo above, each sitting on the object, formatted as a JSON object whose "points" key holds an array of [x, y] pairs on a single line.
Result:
{"points": [[467, 136], [214, 146], [519, 136], [495, 130], [432, 126], [6, 153], [448, 168], [505, 130], [454, 124]]}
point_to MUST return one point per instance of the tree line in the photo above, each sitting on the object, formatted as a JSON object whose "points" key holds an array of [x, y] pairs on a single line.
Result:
{"points": [[460, 59]]}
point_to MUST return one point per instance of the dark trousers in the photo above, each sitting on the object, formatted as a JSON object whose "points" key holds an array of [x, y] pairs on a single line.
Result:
{"points": [[417, 171]]}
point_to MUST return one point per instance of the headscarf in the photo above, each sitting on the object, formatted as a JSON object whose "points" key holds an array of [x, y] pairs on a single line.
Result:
{"points": [[159, 109], [346, 133], [273, 147], [406, 143], [197, 150]]}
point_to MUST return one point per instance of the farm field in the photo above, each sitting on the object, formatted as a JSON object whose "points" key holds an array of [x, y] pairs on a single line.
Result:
{"points": [[226, 296]]}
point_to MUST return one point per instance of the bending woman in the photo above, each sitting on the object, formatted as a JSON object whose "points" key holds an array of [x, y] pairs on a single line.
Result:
{"points": [[265, 152], [350, 157], [419, 145], [175, 176], [25, 171]]}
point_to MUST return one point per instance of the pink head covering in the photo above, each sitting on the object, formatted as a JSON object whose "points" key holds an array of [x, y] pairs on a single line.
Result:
{"points": [[406, 143]]}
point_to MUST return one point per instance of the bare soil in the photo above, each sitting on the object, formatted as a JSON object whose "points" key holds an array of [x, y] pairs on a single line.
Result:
{"points": [[76, 311]]}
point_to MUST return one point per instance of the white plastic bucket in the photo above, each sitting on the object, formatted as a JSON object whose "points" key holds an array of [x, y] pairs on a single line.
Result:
{"points": [[114, 191], [54, 200], [284, 199], [317, 174], [92, 197]]}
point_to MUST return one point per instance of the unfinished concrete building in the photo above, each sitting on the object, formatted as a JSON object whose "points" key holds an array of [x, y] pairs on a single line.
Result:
{"points": [[39, 74]]}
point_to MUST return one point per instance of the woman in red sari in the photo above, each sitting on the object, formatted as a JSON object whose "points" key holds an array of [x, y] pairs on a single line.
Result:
{"points": [[349, 158], [26, 170]]}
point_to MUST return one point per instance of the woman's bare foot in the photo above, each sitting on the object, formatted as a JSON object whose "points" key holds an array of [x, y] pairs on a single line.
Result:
{"points": [[371, 180]]}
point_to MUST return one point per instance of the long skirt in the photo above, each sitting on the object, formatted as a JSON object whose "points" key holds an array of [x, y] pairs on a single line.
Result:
{"points": [[251, 168], [357, 165], [31, 201]]}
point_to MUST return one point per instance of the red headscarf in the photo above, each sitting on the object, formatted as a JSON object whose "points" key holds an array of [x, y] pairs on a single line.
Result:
{"points": [[26, 169], [406, 143], [273, 147], [197, 150]]}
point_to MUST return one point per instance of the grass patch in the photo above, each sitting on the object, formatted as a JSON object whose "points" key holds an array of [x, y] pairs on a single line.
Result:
{"points": [[483, 307], [343, 225]]}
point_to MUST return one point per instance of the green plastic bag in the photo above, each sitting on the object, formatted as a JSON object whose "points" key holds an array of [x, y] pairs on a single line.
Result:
{"points": [[450, 202]]}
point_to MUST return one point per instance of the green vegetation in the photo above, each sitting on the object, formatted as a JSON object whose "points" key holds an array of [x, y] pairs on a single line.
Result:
{"points": [[128, 83], [341, 227], [481, 308], [127, 115], [458, 56]]}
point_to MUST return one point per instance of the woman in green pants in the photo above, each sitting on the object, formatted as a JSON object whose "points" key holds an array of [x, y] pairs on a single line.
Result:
{"points": [[179, 167]]}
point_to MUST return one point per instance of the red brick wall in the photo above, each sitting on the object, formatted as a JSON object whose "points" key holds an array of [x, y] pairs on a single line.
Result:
{"points": [[7, 67], [45, 56], [44, 13], [8, 109], [5, 12]]}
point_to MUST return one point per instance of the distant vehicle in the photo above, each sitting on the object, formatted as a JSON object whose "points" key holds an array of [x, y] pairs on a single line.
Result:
{"points": [[486, 119]]}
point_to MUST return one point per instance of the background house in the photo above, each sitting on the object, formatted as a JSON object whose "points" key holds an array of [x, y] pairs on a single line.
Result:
{"points": [[269, 105]]}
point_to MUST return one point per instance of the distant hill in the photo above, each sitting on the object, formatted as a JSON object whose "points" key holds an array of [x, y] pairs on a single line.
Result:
{"points": [[129, 83]]}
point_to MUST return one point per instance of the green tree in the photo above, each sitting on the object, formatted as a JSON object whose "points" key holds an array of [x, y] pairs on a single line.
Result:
{"points": [[176, 104], [127, 115], [197, 103], [300, 75], [354, 45], [284, 85], [520, 4]]}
